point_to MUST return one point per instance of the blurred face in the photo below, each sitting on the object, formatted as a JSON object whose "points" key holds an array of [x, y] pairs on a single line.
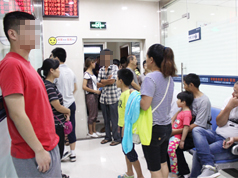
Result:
{"points": [[29, 34], [106, 58], [149, 62], [145, 66], [186, 87], [235, 92], [55, 72], [134, 61], [93, 64], [118, 82], [180, 103]]}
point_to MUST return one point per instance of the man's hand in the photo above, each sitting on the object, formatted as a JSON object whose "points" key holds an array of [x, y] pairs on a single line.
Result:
{"points": [[228, 142], [181, 144], [233, 102], [109, 77], [43, 160]]}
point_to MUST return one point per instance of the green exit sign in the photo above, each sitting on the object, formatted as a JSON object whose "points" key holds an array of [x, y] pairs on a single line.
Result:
{"points": [[98, 25]]}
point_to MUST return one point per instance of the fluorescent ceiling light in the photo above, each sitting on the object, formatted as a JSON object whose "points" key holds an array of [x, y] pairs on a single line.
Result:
{"points": [[124, 8], [172, 11], [212, 14]]}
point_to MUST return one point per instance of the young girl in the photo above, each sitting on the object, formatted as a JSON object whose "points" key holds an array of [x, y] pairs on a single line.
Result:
{"points": [[180, 120], [50, 69], [90, 86]]}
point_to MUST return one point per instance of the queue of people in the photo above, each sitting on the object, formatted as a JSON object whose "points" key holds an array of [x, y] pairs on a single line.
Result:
{"points": [[37, 109]]}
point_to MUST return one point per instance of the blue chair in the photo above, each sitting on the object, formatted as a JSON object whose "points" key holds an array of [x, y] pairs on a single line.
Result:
{"points": [[222, 164]]}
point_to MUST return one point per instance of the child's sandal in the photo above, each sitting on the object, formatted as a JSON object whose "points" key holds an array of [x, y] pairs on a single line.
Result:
{"points": [[125, 176]]}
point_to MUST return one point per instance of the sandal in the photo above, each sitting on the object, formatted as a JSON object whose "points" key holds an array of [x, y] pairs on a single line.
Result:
{"points": [[125, 176], [65, 176], [114, 143], [105, 141]]}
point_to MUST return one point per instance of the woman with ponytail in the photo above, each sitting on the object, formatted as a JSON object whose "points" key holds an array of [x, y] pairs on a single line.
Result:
{"points": [[157, 88], [90, 87], [51, 71]]}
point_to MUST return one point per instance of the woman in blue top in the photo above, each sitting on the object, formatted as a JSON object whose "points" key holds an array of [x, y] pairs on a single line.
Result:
{"points": [[160, 60]]}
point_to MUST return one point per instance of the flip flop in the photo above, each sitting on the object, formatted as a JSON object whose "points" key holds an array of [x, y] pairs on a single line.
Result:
{"points": [[105, 141]]}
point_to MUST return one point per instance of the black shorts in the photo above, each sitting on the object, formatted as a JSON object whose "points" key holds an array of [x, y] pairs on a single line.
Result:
{"points": [[156, 152], [132, 155]]}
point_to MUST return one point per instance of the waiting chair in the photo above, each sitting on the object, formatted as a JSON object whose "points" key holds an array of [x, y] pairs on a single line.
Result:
{"points": [[222, 164]]}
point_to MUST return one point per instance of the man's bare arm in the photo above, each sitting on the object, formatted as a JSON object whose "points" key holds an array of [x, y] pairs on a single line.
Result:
{"points": [[223, 116], [134, 85], [107, 81], [16, 108]]}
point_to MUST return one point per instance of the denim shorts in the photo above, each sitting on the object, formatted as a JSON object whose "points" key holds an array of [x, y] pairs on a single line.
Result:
{"points": [[156, 152]]}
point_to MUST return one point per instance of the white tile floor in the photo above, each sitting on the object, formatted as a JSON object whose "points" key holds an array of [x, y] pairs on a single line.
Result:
{"points": [[95, 160]]}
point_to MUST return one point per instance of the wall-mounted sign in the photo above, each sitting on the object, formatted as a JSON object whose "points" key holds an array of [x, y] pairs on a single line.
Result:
{"points": [[62, 40], [4, 41], [98, 25], [214, 80], [17, 5], [60, 8], [194, 35]]}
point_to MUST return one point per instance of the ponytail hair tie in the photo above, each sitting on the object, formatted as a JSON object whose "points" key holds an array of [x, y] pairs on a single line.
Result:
{"points": [[165, 48]]}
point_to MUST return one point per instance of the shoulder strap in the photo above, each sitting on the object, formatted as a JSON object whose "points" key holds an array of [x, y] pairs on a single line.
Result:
{"points": [[163, 97]]}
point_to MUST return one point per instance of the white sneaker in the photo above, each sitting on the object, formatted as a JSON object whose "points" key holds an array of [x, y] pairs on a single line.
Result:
{"points": [[99, 134], [94, 135]]}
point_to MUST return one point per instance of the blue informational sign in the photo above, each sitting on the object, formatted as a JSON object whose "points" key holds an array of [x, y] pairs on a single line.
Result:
{"points": [[228, 81], [194, 35]]}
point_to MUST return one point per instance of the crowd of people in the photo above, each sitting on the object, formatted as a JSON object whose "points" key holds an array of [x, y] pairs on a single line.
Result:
{"points": [[38, 105]]}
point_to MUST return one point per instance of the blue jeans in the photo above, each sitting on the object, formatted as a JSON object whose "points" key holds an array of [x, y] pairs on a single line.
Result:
{"points": [[209, 149]]}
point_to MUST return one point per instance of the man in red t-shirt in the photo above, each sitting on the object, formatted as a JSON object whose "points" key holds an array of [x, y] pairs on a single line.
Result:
{"points": [[34, 147]]}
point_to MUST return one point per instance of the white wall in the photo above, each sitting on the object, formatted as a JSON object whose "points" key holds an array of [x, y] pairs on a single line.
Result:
{"points": [[139, 21], [214, 54]]}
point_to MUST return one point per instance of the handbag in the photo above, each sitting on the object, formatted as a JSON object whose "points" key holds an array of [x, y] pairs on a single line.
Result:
{"points": [[135, 136], [67, 126]]}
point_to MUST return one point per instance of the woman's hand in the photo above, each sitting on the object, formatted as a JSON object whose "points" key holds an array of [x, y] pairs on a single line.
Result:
{"points": [[67, 117], [98, 92]]}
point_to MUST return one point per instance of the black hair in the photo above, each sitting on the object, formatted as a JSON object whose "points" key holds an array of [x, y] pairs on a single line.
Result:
{"points": [[123, 62], [88, 62], [116, 62], [187, 97], [12, 20], [192, 78], [126, 75], [106, 52], [60, 53], [164, 59], [46, 66], [144, 62]]}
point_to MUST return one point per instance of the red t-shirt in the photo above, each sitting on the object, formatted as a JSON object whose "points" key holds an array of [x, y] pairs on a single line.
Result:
{"points": [[18, 76], [183, 118]]}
